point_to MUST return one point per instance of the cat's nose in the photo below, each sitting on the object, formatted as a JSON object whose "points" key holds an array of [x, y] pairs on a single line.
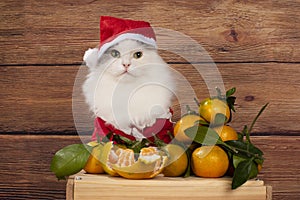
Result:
{"points": [[126, 65]]}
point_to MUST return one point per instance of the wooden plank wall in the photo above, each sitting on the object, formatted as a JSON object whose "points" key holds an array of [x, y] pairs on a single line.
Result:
{"points": [[255, 45]]}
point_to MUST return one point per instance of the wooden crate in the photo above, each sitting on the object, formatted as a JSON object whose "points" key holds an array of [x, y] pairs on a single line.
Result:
{"points": [[88, 186]]}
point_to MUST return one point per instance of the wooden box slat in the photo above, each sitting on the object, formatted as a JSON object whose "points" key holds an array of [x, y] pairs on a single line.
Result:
{"points": [[87, 186]]}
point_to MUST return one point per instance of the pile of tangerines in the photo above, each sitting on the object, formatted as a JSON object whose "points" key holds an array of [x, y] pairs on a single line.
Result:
{"points": [[204, 145], [206, 161]]}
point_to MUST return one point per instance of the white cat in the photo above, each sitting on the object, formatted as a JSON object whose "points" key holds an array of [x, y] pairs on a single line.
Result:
{"points": [[129, 86]]}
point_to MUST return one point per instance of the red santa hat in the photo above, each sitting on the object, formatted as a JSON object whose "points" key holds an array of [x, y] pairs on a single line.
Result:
{"points": [[114, 30]]}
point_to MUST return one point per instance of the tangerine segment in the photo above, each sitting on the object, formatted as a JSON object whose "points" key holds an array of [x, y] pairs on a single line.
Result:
{"points": [[150, 163], [121, 161], [125, 157], [149, 155], [108, 157], [209, 161]]}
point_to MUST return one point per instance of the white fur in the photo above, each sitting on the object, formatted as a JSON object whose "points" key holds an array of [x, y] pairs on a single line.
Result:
{"points": [[133, 99]]}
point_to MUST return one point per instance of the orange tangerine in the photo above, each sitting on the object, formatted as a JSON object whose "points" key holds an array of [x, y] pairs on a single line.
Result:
{"points": [[209, 161]]}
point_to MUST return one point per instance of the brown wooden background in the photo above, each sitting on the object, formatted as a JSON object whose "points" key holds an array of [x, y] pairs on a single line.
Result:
{"points": [[255, 45]]}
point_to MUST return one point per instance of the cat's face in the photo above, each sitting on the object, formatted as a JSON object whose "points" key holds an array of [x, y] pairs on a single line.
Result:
{"points": [[128, 58]]}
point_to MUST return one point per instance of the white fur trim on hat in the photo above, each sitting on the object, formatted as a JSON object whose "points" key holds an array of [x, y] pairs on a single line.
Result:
{"points": [[134, 36], [90, 57]]}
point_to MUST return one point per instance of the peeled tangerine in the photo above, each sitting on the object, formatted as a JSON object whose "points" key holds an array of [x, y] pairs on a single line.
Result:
{"points": [[122, 161]]}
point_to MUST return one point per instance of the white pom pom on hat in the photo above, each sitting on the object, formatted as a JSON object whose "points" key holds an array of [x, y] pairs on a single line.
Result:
{"points": [[114, 30]]}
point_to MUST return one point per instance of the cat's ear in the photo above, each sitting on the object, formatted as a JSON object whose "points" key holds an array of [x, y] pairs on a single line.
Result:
{"points": [[91, 57]]}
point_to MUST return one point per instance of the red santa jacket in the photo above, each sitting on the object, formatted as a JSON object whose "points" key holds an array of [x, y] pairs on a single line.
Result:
{"points": [[160, 128]]}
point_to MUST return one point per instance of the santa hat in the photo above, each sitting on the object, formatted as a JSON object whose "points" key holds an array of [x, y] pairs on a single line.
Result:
{"points": [[114, 30]]}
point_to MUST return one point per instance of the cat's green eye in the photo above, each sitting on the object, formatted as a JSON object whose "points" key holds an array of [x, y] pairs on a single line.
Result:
{"points": [[115, 53], [137, 54]]}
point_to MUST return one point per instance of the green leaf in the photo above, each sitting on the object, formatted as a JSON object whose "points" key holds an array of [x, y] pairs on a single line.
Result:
{"points": [[253, 149], [241, 173], [136, 145], [201, 122], [230, 102], [245, 149], [107, 137], [259, 161], [188, 169], [203, 135], [237, 144], [240, 136], [237, 159], [124, 140], [230, 92], [220, 119], [253, 171], [70, 160]]}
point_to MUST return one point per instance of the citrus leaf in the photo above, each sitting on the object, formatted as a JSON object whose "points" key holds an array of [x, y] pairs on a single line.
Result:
{"points": [[240, 136], [107, 137], [259, 161], [245, 149], [253, 171], [203, 135], [70, 160], [237, 159], [253, 149], [201, 122], [220, 118], [188, 169], [230, 101], [241, 173], [230, 92], [237, 144], [123, 140]]}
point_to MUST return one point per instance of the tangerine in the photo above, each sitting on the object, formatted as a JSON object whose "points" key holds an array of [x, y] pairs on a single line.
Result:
{"points": [[209, 161], [185, 122], [93, 164], [210, 107], [177, 161], [226, 133]]}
